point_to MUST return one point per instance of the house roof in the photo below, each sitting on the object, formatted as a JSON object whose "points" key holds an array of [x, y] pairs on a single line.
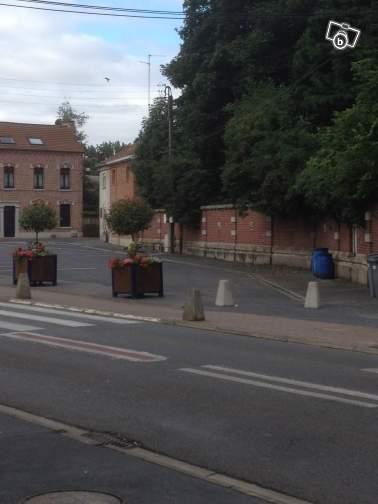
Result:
{"points": [[57, 138], [125, 154]]}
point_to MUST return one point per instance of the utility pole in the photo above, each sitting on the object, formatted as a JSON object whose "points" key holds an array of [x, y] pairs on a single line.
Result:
{"points": [[169, 97]]}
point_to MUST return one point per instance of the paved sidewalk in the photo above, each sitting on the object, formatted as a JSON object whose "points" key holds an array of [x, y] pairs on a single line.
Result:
{"points": [[36, 460], [317, 333], [268, 300]]}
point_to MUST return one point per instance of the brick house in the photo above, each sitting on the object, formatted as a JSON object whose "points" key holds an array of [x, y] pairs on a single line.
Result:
{"points": [[117, 181], [40, 163]]}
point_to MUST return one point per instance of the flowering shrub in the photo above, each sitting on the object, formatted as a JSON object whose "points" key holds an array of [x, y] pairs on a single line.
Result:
{"points": [[142, 261], [35, 250]]}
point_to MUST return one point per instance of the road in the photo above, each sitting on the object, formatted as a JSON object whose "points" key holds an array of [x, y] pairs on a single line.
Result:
{"points": [[295, 419]]}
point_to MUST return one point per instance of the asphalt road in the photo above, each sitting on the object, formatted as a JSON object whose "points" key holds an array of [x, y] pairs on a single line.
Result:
{"points": [[299, 420]]}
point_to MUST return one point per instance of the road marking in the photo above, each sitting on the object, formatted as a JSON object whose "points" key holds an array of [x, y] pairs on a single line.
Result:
{"points": [[53, 311], [49, 320], [85, 346], [278, 387], [370, 370], [17, 327], [315, 386], [91, 311]]}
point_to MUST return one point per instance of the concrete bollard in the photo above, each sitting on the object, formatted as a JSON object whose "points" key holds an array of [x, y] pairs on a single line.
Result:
{"points": [[23, 287], [312, 295], [193, 309], [224, 294]]}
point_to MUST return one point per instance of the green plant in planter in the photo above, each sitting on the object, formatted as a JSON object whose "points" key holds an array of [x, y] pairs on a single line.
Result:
{"points": [[38, 217]]}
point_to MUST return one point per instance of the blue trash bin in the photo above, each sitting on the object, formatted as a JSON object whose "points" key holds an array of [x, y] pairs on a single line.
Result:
{"points": [[316, 253], [323, 265]]}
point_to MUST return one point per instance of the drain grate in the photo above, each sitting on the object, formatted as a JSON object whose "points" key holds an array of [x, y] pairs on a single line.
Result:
{"points": [[114, 440]]}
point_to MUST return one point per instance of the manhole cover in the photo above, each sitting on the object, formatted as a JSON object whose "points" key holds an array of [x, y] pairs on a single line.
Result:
{"points": [[73, 498]]}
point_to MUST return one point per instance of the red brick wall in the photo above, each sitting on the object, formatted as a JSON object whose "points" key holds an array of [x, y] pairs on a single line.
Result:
{"points": [[223, 233], [24, 193]]}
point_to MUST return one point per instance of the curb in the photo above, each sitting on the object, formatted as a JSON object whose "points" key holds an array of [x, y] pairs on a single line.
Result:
{"points": [[134, 449], [202, 326], [270, 337]]}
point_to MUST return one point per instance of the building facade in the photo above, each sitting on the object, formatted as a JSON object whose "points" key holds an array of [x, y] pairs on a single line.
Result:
{"points": [[40, 163], [117, 181]]}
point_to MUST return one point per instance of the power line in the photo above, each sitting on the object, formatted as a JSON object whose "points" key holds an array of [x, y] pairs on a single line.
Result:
{"points": [[107, 14], [106, 7], [76, 98], [103, 86]]}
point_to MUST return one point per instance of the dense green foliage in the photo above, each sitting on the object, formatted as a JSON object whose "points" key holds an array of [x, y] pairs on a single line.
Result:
{"points": [[38, 217], [260, 91], [129, 217], [96, 154], [341, 179]]}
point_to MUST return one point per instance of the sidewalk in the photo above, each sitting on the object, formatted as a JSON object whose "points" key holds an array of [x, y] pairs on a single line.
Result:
{"points": [[37, 460], [309, 332]]}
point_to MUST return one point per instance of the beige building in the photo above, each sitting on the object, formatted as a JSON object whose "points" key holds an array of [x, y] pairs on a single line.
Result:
{"points": [[117, 181]]}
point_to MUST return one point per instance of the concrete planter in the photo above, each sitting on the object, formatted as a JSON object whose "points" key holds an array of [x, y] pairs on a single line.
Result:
{"points": [[136, 281], [40, 269]]}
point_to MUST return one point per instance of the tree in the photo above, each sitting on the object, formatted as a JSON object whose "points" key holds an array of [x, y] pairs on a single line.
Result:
{"points": [[96, 154], [67, 114], [267, 145], [258, 82], [341, 179], [38, 217], [129, 217]]}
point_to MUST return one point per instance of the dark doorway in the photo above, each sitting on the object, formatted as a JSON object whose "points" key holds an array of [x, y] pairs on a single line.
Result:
{"points": [[9, 221], [65, 215]]}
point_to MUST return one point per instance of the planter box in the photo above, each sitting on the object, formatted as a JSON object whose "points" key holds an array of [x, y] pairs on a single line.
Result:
{"points": [[135, 281], [40, 269]]}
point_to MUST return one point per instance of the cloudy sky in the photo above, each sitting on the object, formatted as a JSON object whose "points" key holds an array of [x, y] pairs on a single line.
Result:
{"points": [[48, 57]]}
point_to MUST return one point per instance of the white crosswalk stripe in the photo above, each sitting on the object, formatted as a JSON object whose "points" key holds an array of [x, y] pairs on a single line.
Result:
{"points": [[58, 317], [41, 318], [17, 327], [71, 314]]}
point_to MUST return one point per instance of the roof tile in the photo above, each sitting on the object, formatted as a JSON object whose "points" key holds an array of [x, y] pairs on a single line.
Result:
{"points": [[57, 138]]}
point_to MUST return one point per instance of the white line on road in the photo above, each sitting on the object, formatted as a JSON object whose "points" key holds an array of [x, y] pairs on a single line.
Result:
{"points": [[370, 370], [53, 311], [278, 387], [49, 320], [315, 386], [17, 327], [87, 347]]}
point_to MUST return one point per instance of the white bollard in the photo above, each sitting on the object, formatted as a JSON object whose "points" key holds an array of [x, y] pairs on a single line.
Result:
{"points": [[224, 294], [193, 309], [312, 295], [23, 287]]}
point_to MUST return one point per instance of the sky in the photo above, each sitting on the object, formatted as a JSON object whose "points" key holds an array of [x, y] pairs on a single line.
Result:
{"points": [[48, 58]]}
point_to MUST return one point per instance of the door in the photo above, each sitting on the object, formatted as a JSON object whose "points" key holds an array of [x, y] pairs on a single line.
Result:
{"points": [[65, 215], [9, 221]]}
